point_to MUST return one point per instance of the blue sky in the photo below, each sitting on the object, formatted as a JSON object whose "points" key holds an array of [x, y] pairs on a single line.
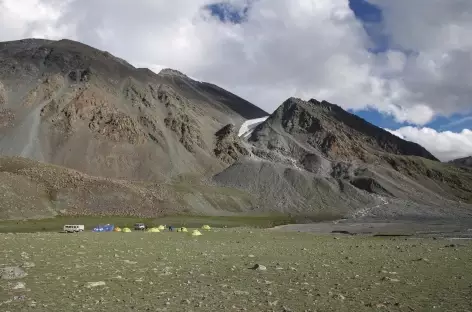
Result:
{"points": [[371, 16]]}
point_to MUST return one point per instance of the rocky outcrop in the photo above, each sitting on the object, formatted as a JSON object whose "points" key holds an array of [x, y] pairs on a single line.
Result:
{"points": [[3, 95], [334, 132], [228, 146]]}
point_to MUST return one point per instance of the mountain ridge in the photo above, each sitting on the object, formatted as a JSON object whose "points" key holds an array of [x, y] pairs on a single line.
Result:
{"points": [[464, 161], [171, 144]]}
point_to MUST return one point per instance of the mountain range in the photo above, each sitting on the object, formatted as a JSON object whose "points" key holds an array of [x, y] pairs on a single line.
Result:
{"points": [[83, 132], [465, 161]]}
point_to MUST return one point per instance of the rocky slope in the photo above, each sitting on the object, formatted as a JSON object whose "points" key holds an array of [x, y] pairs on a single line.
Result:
{"points": [[313, 156], [35, 190], [464, 162], [122, 140], [68, 104]]}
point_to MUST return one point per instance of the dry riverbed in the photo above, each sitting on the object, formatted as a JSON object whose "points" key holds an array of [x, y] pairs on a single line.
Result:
{"points": [[232, 270]]}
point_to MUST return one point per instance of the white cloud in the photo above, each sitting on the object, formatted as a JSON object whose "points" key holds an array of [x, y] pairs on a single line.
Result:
{"points": [[438, 72], [305, 48], [445, 145], [31, 18]]}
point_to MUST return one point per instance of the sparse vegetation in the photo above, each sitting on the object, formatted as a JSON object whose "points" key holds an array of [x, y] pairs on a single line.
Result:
{"points": [[232, 270], [56, 224]]}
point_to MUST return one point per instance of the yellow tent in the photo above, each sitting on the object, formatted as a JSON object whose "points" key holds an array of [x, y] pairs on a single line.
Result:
{"points": [[154, 230], [206, 227], [183, 229], [161, 228], [196, 233], [126, 230], [117, 229]]}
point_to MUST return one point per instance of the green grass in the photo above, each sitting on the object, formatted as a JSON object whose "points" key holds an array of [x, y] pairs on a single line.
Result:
{"points": [[176, 272], [255, 221]]}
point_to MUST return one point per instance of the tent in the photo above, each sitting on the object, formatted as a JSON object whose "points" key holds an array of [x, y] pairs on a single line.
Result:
{"points": [[206, 227], [183, 229], [153, 230], [117, 229], [196, 233], [104, 228], [161, 227], [126, 230]]}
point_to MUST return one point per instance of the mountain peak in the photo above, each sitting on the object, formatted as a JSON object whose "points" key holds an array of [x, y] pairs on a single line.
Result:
{"points": [[172, 72], [333, 131]]}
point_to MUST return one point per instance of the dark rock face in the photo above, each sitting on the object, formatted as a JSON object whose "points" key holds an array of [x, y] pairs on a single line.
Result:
{"points": [[228, 146], [462, 162]]}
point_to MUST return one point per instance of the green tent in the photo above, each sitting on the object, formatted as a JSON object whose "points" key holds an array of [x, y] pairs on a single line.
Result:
{"points": [[196, 233]]}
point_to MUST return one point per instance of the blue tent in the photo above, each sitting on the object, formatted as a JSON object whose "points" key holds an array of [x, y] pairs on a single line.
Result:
{"points": [[104, 228]]}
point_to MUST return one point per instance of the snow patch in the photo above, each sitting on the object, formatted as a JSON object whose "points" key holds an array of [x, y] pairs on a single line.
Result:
{"points": [[249, 125]]}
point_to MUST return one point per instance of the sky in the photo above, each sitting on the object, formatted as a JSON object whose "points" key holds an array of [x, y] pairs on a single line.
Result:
{"points": [[403, 65]]}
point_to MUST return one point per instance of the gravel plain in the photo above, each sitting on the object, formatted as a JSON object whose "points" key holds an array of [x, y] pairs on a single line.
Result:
{"points": [[238, 269]]}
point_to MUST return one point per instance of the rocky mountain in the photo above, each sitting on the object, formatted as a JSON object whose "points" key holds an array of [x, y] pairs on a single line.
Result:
{"points": [[114, 139], [68, 104], [312, 156], [464, 162]]}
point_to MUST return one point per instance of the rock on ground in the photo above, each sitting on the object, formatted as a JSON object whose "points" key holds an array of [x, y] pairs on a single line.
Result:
{"points": [[12, 273]]}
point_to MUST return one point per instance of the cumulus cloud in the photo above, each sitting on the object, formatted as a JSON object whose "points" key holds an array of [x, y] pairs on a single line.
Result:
{"points": [[283, 48], [445, 145], [437, 70]]}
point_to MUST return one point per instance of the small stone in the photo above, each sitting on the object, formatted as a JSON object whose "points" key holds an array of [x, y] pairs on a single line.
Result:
{"points": [[259, 267], [273, 303], [95, 284], [19, 285], [28, 265], [339, 296], [24, 255]]}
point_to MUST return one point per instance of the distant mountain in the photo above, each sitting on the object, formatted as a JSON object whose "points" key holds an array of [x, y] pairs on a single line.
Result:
{"points": [[465, 162]]}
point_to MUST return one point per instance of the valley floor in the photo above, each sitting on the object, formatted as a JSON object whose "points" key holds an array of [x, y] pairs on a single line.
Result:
{"points": [[176, 272], [438, 228]]}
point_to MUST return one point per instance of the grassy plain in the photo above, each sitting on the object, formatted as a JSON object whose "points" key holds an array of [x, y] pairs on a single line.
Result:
{"points": [[176, 272]]}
